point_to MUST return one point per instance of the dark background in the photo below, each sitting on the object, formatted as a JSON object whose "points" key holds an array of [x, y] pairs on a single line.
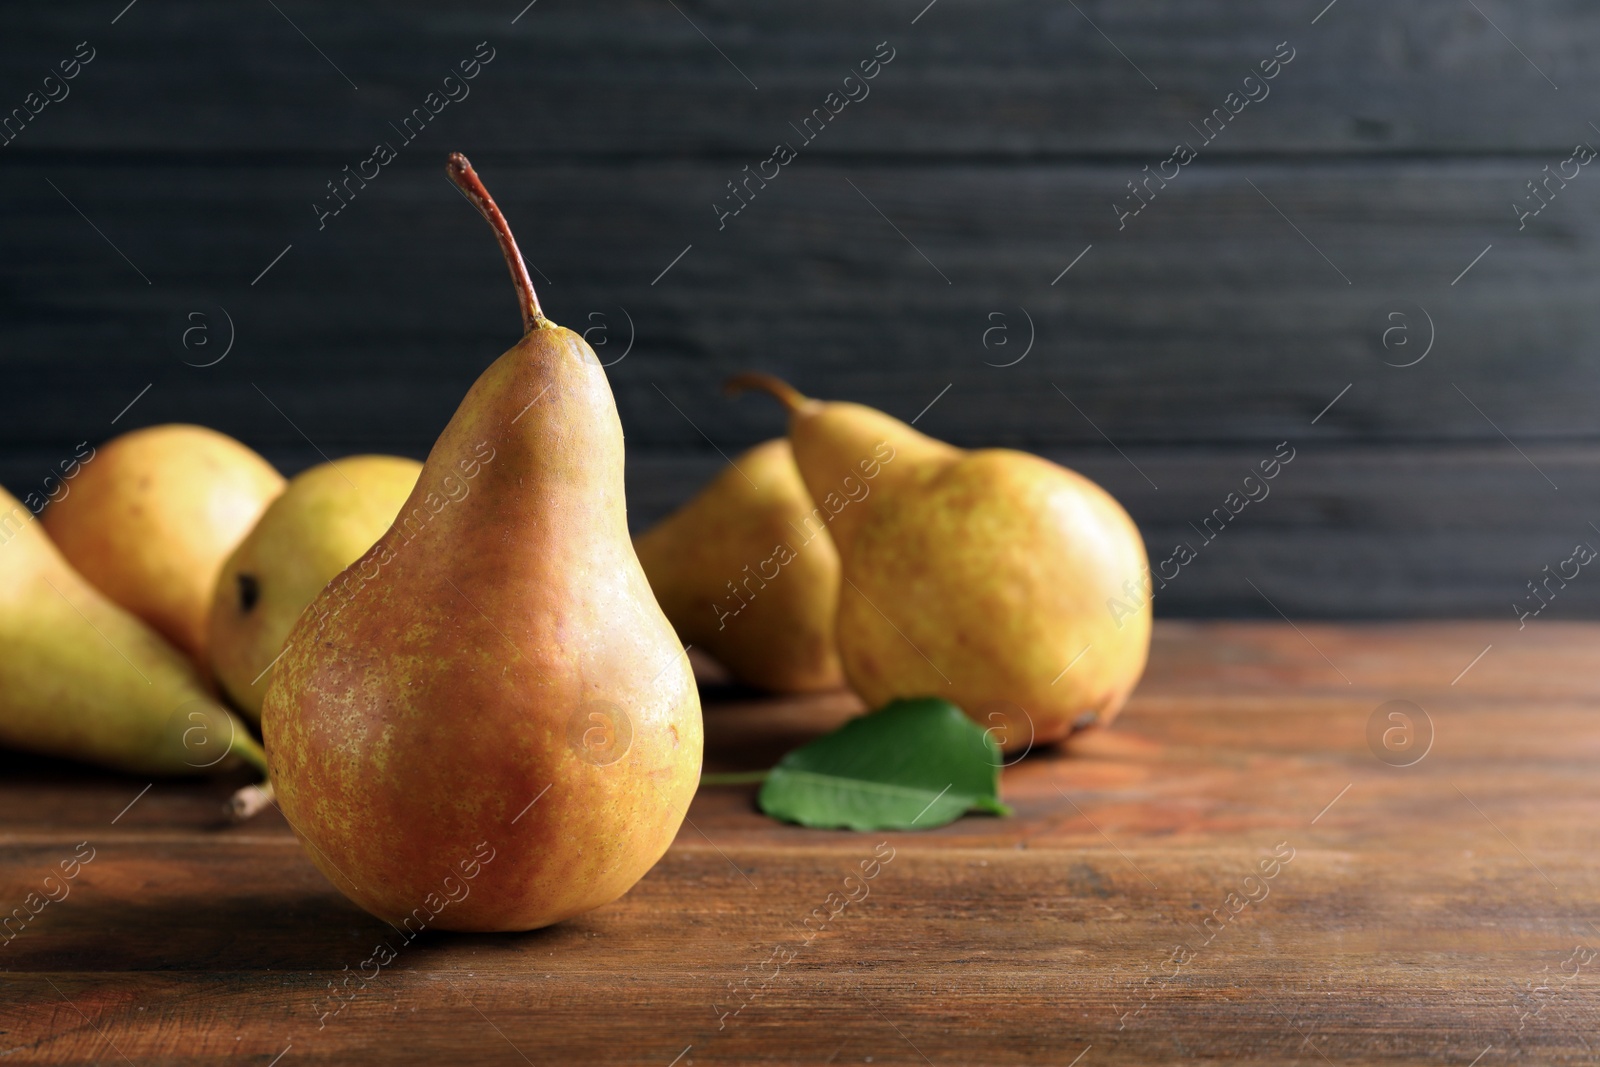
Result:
{"points": [[1222, 320]]}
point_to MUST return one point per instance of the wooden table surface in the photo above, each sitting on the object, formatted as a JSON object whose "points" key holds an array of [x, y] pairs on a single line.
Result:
{"points": [[1442, 913]]}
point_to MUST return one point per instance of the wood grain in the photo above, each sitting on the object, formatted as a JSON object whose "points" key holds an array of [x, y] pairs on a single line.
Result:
{"points": [[1328, 223], [1013, 78], [369, 331], [1420, 903], [1376, 531]]}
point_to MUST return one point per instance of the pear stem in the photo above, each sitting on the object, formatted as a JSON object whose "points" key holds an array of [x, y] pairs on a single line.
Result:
{"points": [[252, 799], [786, 394], [249, 802], [467, 180]]}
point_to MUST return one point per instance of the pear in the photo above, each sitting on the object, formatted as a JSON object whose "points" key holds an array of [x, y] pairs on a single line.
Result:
{"points": [[153, 515], [83, 679], [982, 577], [744, 572], [323, 521], [486, 722]]}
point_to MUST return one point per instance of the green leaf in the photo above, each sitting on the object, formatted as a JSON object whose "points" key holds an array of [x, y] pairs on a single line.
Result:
{"points": [[911, 765]]}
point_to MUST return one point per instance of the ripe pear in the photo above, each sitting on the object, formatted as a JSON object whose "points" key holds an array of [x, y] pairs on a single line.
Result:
{"points": [[982, 577], [746, 570], [152, 517], [486, 723], [83, 679], [323, 521]]}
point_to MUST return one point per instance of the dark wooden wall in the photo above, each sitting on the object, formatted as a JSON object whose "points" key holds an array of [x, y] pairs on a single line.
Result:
{"points": [[1176, 353]]}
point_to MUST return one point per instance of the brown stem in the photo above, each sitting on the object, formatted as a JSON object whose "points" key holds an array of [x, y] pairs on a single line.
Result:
{"points": [[787, 395], [468, 182], [249, 801]]}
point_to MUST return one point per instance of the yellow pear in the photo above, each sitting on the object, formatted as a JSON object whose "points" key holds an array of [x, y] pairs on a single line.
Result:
{"points": [[745, 572], [151, 518], [83, 679], [982, 577], [486, 723], [325, 519]]}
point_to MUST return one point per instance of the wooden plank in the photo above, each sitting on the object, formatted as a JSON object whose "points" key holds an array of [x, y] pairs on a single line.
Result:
{"points": [[1013, 79], [1344, 532], [1430, 531], [1207, 319], [1418, 904], [1206, 322]]}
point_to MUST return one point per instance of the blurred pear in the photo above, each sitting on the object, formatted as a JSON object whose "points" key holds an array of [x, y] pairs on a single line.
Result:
{"points": [[990, 578], [83, 679], [325, 520], [747, 572], [152, 517]]}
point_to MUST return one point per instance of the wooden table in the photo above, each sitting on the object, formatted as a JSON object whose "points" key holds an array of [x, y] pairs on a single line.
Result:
{"points": [[1433, 913]]}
